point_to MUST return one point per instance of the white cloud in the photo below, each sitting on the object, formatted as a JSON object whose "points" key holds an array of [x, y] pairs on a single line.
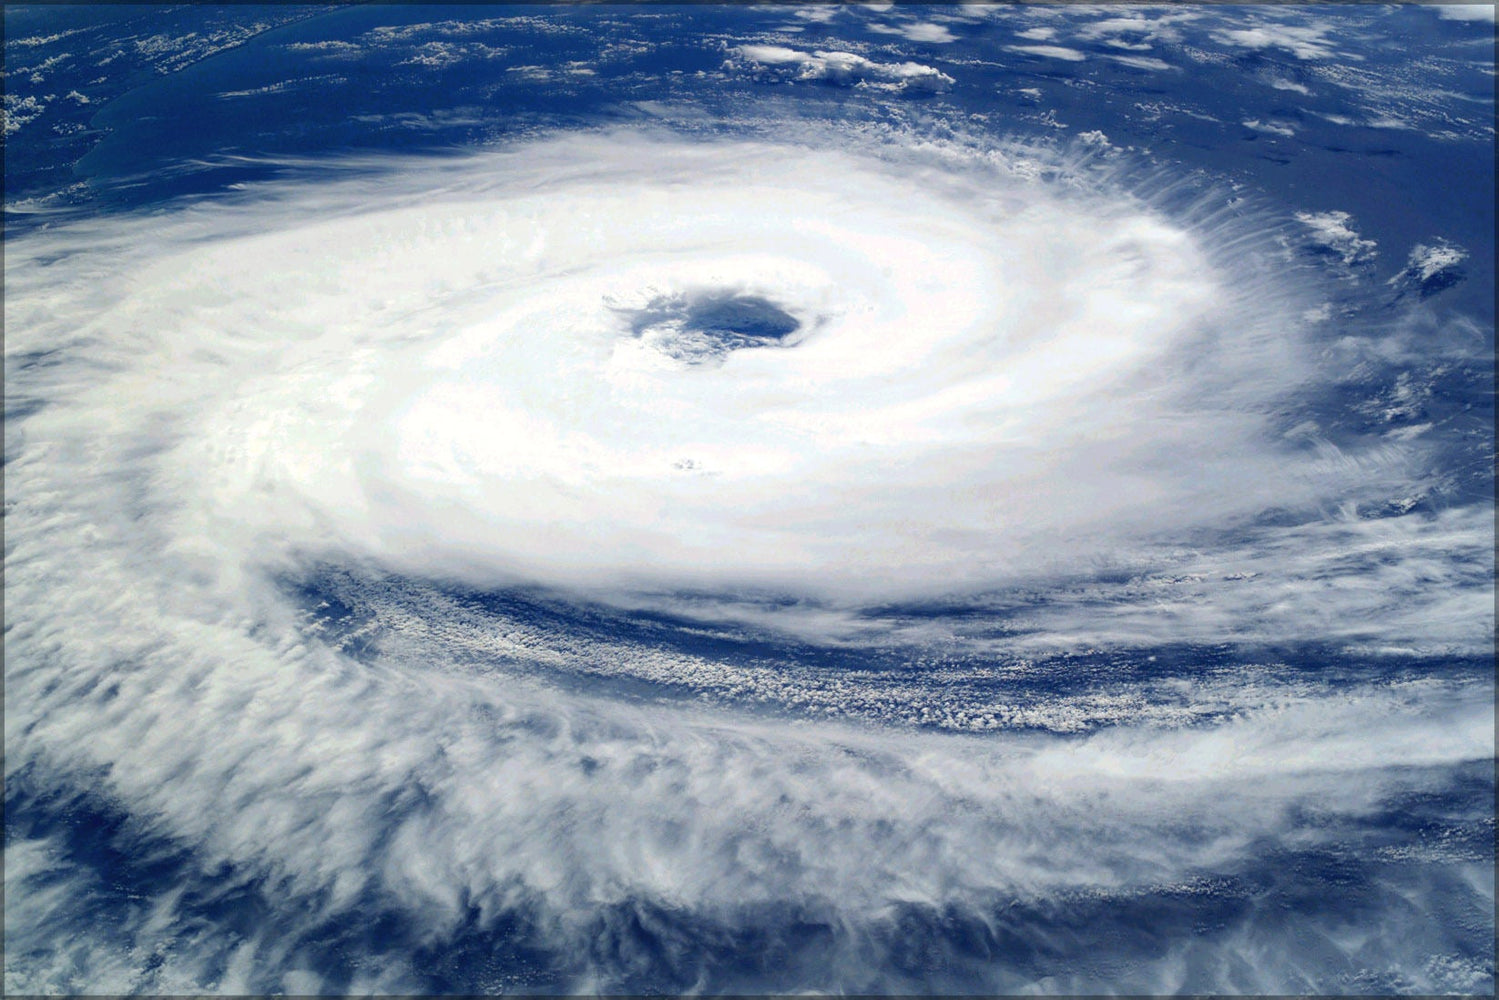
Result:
{"points": [[32, 41], [442, 55], [1464, 11], [1008, 375], [1334, 231], [1280, 83], [817, 13], [1304, 41], [917, 32], [21, 111], [331, 48], [1275, 128], [1142, 62], [1428, 261], [1049, 52], [1149, 25], [799, 477], [844, 68], [326, 80], [929, 32]]}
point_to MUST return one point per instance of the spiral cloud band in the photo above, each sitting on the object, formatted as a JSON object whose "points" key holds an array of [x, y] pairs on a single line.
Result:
{"points": [[622, 365], [714, 389]]}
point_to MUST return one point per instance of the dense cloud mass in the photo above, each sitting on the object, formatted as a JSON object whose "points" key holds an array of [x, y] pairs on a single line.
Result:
{"points": [[827, 557]]}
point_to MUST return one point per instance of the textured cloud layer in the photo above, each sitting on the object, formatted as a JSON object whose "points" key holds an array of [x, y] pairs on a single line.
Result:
{"points": [[734, 382], [988, 376]]}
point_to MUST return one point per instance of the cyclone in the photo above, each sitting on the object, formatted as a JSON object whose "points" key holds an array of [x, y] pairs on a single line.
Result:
{"points": [[624, 558], [518, 377]]}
